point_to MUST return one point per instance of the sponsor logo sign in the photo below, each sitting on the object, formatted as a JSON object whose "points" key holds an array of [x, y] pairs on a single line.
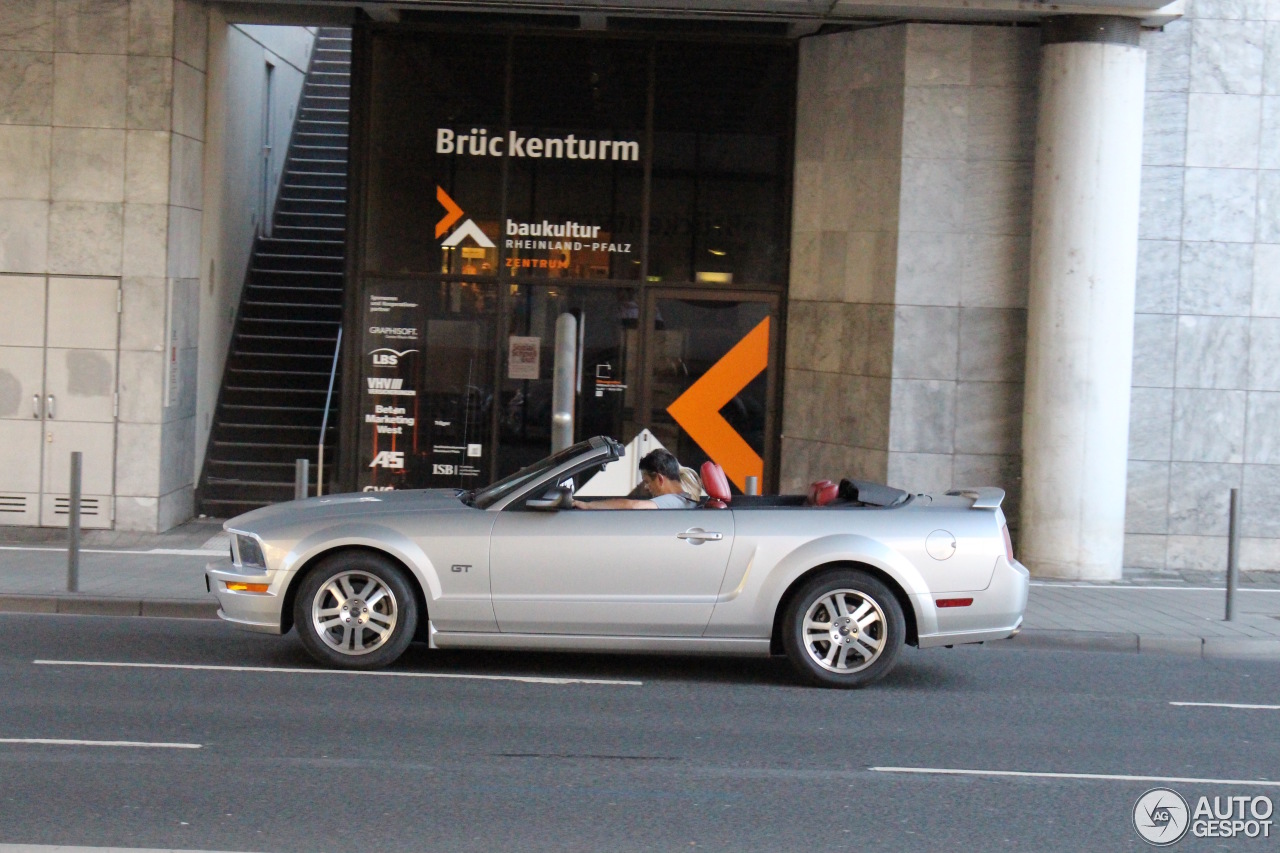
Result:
{"points": [[395, 333], [388, 459], [389, 420], [389, 386], [387, 357]]}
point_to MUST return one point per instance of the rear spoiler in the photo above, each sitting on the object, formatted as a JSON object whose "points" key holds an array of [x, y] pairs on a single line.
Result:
{"points": [[987, 497]]}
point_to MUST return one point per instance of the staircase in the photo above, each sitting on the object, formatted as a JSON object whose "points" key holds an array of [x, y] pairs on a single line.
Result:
{"points": [[272, 401]]}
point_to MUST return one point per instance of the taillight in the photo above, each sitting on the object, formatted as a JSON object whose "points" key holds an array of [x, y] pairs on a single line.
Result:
{"points": [[1008, 543]]}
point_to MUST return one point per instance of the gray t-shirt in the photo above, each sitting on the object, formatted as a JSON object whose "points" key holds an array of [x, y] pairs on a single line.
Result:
{"points": [[674, 501]]}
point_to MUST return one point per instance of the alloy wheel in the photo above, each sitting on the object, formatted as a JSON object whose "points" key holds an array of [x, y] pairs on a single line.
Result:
{"points": [[844, 631], [354, 613]]}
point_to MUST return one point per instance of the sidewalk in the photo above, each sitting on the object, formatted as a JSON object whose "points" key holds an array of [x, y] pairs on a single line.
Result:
{"points": [[1163, 612], [121, 573]]}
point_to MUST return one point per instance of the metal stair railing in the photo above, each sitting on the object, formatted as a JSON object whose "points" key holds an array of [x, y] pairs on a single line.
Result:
{"points": [[324, 424]]}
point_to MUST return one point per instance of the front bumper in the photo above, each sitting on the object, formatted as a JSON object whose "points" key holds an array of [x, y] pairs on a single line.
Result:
{"points": [[253, 611], [996, 612]]}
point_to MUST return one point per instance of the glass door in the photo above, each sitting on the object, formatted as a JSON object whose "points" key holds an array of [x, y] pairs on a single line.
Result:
{"points": [[601, 352], [712, 360]]}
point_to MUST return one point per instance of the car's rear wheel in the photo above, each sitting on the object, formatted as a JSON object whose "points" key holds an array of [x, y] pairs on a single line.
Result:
{"points": [[355, 610], [844, 628]]}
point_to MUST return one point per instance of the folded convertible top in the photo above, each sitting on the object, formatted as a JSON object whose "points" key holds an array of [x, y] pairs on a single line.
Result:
{"points": [[871, 494]]}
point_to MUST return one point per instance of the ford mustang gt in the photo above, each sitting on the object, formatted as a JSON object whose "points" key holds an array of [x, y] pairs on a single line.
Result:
{"points": [[837, 579]]}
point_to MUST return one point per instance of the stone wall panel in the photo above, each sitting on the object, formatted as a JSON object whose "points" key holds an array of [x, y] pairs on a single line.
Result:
{"points": [[1147, 500], [1208, 425], [24, 162], [91, 26], [89, 90], [88, 164], [1154, 350], [26, 87]]}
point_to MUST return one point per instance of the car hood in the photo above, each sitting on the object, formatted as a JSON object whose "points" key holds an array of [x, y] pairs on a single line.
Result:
{"points": [[345, 506]]}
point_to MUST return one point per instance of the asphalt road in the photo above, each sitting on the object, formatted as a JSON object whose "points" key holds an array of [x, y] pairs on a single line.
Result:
{"points": [[666, 754]]}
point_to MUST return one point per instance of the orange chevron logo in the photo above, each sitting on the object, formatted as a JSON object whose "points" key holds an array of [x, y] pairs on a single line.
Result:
{"points": [[452, 212], [697, 410]]}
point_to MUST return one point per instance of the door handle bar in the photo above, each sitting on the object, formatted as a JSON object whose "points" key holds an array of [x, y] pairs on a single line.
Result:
{"points": [[50, 406], [35, 405], [700, 535]]}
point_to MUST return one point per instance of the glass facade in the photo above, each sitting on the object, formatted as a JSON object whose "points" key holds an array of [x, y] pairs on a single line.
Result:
{"points": [[638, 187]]}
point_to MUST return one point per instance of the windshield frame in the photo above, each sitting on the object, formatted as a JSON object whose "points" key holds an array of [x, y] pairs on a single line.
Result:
{"points": [[515, 484]]}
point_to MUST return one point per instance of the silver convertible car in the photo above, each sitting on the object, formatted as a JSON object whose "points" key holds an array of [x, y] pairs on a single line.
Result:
{"points": [[837, 580]]}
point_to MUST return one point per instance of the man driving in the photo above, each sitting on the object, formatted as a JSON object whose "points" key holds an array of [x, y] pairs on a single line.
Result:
{"points": [[660, 473]]}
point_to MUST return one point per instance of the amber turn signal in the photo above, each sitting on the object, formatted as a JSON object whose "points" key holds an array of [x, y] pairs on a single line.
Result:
{"points": [[247, 587]]}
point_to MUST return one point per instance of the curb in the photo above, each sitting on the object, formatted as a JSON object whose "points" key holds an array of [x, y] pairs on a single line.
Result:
{"points": [[91, 605], [1151, 644], [1206, 648]]}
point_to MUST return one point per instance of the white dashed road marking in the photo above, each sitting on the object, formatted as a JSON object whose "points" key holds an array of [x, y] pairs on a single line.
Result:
{"points": [[1106, 587], [60, 848], [527, 679], [153, 552], [49, 741], [1226, 705], [1098, 777]]}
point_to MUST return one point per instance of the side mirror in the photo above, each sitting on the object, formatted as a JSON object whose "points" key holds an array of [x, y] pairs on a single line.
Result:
{"points": [[557, 497]]}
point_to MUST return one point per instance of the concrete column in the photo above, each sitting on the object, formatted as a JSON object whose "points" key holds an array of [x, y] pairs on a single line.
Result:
{"points": [[1084, 244]]}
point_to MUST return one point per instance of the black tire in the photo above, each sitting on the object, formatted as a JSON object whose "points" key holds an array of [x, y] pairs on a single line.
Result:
{"points": [[356, 633], [869, 652]]}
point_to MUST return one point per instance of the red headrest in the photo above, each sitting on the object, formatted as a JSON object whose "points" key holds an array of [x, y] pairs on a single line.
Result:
{"points": [[822, 493], [715, 482]]}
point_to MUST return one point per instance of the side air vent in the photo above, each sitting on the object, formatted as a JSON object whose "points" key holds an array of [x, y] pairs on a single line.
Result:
{"points": [[16, 504], [89, 507]]}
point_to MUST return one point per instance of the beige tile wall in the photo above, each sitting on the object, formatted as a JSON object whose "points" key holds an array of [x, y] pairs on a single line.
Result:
{"points": [[101, 146], [1206, 341], [910, 247]]}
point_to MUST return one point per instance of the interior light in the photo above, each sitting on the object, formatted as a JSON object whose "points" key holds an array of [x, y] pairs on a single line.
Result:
{"points": [[706, 277]]}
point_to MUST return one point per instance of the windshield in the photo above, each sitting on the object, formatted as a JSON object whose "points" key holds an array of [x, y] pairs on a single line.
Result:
{"points": [[495, 492]]}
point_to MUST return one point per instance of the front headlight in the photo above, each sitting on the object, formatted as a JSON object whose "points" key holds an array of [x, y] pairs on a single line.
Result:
{"points": [[250, 552]]}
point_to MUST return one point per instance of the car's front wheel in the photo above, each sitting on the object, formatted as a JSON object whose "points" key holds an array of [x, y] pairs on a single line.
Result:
{"points": [[355, 610], [843, 628]]}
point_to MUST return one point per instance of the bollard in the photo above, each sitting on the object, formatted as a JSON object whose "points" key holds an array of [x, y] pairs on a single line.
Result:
{"points": [[301, 476], [1233, 555], [753, 485], [73, 526]]}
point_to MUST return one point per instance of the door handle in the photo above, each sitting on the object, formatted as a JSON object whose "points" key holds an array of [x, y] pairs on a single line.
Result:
{"points": [[35, 405], [697, 536], [49, 406]]}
